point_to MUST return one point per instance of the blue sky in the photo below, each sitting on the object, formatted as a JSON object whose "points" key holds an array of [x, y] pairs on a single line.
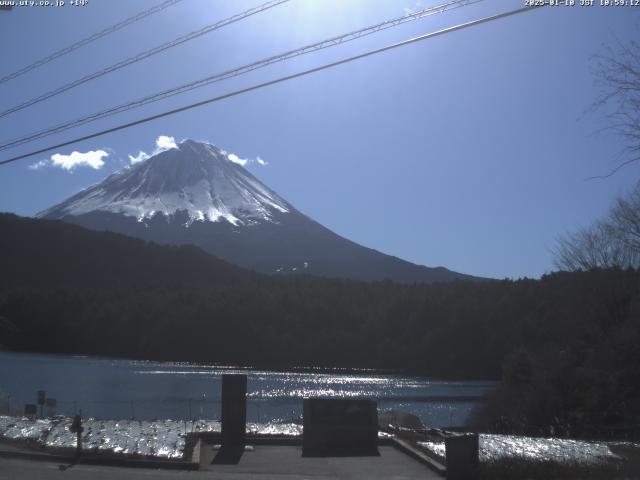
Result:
{"points": [[469, 150]]}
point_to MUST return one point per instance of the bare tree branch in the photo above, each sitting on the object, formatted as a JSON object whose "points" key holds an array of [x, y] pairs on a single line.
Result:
{"points": [[612, 243], [617, 73]]}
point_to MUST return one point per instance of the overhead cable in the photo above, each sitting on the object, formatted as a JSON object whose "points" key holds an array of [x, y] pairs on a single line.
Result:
{"points": [[334, 41], [276, 81], [88, 40], [143, 55]]}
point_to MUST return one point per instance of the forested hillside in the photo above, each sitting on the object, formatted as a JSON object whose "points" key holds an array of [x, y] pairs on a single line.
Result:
{"points": [[567, 342]]}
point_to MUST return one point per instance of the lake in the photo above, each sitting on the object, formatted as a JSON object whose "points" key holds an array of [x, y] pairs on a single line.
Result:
{"points": [[107, 388]]}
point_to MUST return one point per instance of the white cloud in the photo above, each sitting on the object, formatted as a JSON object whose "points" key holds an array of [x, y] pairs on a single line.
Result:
{"points": [[138, 158], [235, 159], [92, 158], [245, 161], [39, 165], [163, 143]]}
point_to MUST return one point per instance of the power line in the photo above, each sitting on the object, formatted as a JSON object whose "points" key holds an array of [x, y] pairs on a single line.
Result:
{"points": [[143, 55], [334, 41], [88, 40], [240, 70], [278, 80]]}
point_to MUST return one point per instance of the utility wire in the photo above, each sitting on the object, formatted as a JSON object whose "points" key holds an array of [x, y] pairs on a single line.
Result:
{"points": [[143, 55], [277, 80], [334, 41], [88, 40]]}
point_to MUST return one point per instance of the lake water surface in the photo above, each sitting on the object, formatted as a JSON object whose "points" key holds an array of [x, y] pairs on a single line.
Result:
{"points": [[122, 389]]}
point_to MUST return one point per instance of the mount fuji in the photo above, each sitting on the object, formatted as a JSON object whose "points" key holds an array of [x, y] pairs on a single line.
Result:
{"points": [[194, 194]]}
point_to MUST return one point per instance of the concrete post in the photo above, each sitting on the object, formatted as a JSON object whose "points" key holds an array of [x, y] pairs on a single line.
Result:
{"points": [[462, 453], [234, 410], [77, 428]]}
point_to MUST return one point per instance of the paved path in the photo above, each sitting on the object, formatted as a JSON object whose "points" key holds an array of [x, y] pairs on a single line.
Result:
{"points": [[263, 463]]}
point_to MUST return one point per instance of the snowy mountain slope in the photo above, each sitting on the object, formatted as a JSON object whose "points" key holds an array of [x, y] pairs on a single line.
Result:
{"points": [[196, 178], [194, 194]]}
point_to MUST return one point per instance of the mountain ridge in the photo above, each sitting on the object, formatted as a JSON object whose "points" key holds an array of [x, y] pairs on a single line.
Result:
{"points": [[195, 194], [74, 255]]}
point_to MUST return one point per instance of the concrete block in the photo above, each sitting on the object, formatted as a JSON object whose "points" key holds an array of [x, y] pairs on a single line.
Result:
{"points": [[462, 456], [339, 427]]}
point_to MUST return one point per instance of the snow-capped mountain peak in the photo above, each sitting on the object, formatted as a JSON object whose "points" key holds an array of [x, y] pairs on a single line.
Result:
{"points": [[197, 194], [197, 178]]}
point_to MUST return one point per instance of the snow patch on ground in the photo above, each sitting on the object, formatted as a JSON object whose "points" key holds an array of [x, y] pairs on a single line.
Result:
{"points": [[157, 438], [561, 450]]}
